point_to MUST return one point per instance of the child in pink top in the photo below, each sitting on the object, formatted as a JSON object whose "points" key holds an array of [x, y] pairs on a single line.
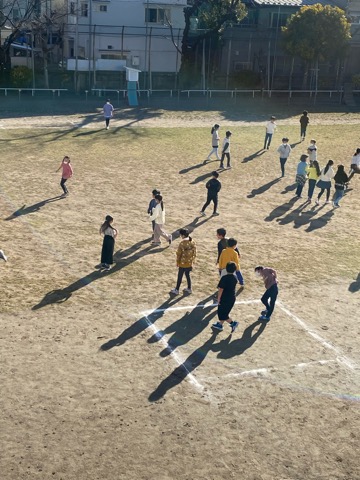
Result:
{"points": [[67, 173]]}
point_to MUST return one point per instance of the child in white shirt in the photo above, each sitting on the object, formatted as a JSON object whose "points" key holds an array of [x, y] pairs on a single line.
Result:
{"points": [[226, 151], [270, 129]]}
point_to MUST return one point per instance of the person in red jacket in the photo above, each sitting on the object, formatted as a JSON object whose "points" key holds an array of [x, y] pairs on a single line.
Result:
{"points": [[271, 284]]}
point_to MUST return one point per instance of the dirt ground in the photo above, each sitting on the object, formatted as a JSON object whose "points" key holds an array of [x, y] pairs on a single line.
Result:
{"points": [[104, 375]]}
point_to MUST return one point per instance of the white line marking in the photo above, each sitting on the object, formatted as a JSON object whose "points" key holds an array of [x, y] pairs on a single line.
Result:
{"points": [[340, 357], [192, 307], [178, 359]]}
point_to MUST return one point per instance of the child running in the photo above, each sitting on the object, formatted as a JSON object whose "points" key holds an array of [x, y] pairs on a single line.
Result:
{"points": [[67, 172], [158, 216], [110, 233], [271, 284], [214, 142], [226, 151], [185, 258], [226, 299]]}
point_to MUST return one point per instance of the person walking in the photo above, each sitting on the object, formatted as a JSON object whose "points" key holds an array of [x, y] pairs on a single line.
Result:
{"points": [[67, 172], [215, 138], [269, 276], [340, 179], [185, 259], [284, 151], [226, 150], [213, 188], [270, 129], [312, 150], [301, 174], [152, 205], [110, 234], [158, 216], [226, 299], [304, 122], [231, 254], [355, 164], [313, 176], [108, 110], [324, 183]]}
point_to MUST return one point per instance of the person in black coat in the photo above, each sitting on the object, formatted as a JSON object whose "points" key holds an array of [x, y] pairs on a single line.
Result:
{"points": [[213, 188]]}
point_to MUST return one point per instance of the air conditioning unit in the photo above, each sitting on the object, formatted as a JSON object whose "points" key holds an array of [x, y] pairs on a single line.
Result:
{"points": [[135, 61]]}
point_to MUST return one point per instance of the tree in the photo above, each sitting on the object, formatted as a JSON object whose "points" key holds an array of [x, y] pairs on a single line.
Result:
{"points": [[317, 33], [213, 17]]}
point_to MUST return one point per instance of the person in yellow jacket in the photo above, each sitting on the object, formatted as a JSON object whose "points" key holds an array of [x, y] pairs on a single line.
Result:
{"points": [[229, 254], [185, 258]]}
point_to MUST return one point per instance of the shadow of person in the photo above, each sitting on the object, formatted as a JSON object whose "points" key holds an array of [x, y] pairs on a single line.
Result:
{"points": [[195, 167], [320, 222], [293, 215], [293, 145], [252, 156], [355, 286], [24, 210], [306, 216], [187, 327], [140, 325], [280, 210], [63, 294], [289, 188], [182, 371], [229, 349], [263, 188], [201, 178], [197, 222]]}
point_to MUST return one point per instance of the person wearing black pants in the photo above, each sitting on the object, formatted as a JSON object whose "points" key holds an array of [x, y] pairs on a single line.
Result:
{"points": [[269, 298], [213, 187], [185, 258]]}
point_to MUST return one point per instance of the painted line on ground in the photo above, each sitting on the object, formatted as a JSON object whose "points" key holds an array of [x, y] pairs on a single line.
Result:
{"points": [[340, 357]]}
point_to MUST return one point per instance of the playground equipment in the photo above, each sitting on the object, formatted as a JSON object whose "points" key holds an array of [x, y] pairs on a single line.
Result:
{"points": [[132, 78]]}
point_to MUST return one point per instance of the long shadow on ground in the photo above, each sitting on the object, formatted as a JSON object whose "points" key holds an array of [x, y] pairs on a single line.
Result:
{"points": [[24, 210], [263, 188]]}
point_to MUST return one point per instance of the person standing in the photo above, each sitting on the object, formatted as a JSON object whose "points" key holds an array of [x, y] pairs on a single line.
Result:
{"points": [[226, 299], [271, 285], [355, 164], [67, 172], [110, 234], [152, 205], [213, 188], [231, 254], [313, 176], [284, 151], [158, 216], [3, 256], [324, 183], [214, 142], [340, 179], [304, 122], [301, 173], [270, 129], [226, 151], [312, 150], [108, 110], [185, 259]]}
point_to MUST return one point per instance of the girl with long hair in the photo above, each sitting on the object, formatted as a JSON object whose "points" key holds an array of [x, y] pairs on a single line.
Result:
{"points": [[110, 234], [326, 174], [314, 173], [185, 258], [158, 215], [214, 141]]}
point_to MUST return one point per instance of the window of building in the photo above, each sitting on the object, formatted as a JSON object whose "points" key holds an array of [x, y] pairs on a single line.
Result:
{"points": [[278, 20], [103, 8], [72, 8], [157, 15], [84, 9], [114, 56]]}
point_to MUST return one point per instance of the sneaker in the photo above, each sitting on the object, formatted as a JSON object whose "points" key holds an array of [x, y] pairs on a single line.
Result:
{"points": [[336, 205], [228, 167], [106, 266], [234, 326], [327, 202], [309, 200], [264, 318], [174, 291], [187, 290], [217, 326], [317, 202], [203, 214], [215, 214], [170, 240], [155, 243], [221, 166], [3, 256]]}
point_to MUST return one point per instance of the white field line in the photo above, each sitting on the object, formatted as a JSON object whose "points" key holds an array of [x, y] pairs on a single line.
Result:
{"points": [[175, 355], [340, 357]]}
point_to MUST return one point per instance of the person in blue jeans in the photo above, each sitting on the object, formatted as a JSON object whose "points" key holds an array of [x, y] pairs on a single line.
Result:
{"points": [[341, 179], [301, 174], [270, 129], [269, 298], [284, 153]]}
